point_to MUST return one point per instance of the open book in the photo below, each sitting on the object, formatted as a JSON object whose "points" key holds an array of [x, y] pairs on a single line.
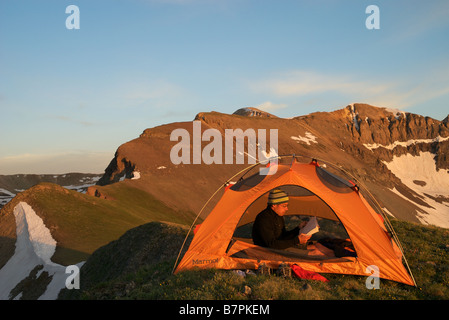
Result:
{"points": [[311, 227]]}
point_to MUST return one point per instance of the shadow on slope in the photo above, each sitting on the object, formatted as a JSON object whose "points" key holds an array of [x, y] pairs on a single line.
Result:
{"points": [[145, 246]]}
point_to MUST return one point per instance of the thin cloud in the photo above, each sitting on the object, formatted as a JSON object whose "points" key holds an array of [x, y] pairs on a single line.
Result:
{"points": [[270, 106], [156, 93], [397, 92], [429, 17], [76, 121], [301, 83], [421, 89]]}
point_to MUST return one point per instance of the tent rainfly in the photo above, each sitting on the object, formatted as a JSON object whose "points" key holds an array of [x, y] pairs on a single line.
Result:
{"points": [[223, 239]]}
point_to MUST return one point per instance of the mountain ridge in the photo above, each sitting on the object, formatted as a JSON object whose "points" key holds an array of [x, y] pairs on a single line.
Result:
{"points": [[356, 137]]}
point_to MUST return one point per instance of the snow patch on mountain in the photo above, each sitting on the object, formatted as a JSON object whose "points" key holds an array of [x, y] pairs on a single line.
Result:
{"points": [[404, 143], [388, 212], [354, 116], [270, 154], [419, 173], [307, 139], [135, 175], [13, 184], [85, 183], [397, 113], [5, 196], [34, 247]]}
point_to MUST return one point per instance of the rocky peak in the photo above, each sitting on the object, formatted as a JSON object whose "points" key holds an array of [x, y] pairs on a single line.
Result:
{"points": [[384, 126], [253, 112]]}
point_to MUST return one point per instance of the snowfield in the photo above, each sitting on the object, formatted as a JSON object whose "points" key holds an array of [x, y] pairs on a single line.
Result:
{"points": [[404, 143], [420, 174], [34, 247]]}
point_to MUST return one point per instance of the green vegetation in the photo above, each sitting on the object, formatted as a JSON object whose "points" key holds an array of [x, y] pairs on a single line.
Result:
{"points": [[82, 223], [426, 249], [130, 254]]}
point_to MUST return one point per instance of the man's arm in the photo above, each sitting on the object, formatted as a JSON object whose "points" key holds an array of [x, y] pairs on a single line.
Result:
{"points": [[266, 231]]}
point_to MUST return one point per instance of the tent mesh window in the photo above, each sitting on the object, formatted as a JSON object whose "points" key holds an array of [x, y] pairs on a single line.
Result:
{"points": [[246, 183], [334, 182]]}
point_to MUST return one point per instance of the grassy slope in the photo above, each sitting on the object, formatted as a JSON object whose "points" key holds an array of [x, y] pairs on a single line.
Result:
{"points": [[425, 247], [81, 223]]}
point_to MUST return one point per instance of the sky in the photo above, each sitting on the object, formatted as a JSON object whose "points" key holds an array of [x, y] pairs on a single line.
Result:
{"points": [[69, 97]]}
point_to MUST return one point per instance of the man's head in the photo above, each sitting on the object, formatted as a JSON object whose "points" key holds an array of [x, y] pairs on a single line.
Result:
{"points": [[278, 200]]}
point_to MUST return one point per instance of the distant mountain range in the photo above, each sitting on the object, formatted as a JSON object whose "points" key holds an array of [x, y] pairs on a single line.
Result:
{"points": [[400, 157], [10, 185]]}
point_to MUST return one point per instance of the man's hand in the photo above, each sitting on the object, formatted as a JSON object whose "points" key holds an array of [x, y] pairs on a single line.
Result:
{"points": [[303, 238], [303, 224]]}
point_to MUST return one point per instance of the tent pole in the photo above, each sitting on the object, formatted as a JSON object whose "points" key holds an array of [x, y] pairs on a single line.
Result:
{"points": [[384, 216], [204, 206], [193, 223], [247, 169]]}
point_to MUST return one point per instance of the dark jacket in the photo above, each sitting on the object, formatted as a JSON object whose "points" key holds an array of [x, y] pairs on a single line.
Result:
{"points": [[269, 231]]}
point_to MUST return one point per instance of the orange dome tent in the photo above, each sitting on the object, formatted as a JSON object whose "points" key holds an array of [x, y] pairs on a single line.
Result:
{"points": [[223, 240]]}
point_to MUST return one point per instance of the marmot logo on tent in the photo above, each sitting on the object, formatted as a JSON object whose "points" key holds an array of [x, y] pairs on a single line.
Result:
{"points": [[204, 261], [213, 153]]}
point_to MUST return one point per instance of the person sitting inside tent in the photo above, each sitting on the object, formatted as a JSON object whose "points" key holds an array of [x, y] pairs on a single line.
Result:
{"points": [[269, 227]]}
